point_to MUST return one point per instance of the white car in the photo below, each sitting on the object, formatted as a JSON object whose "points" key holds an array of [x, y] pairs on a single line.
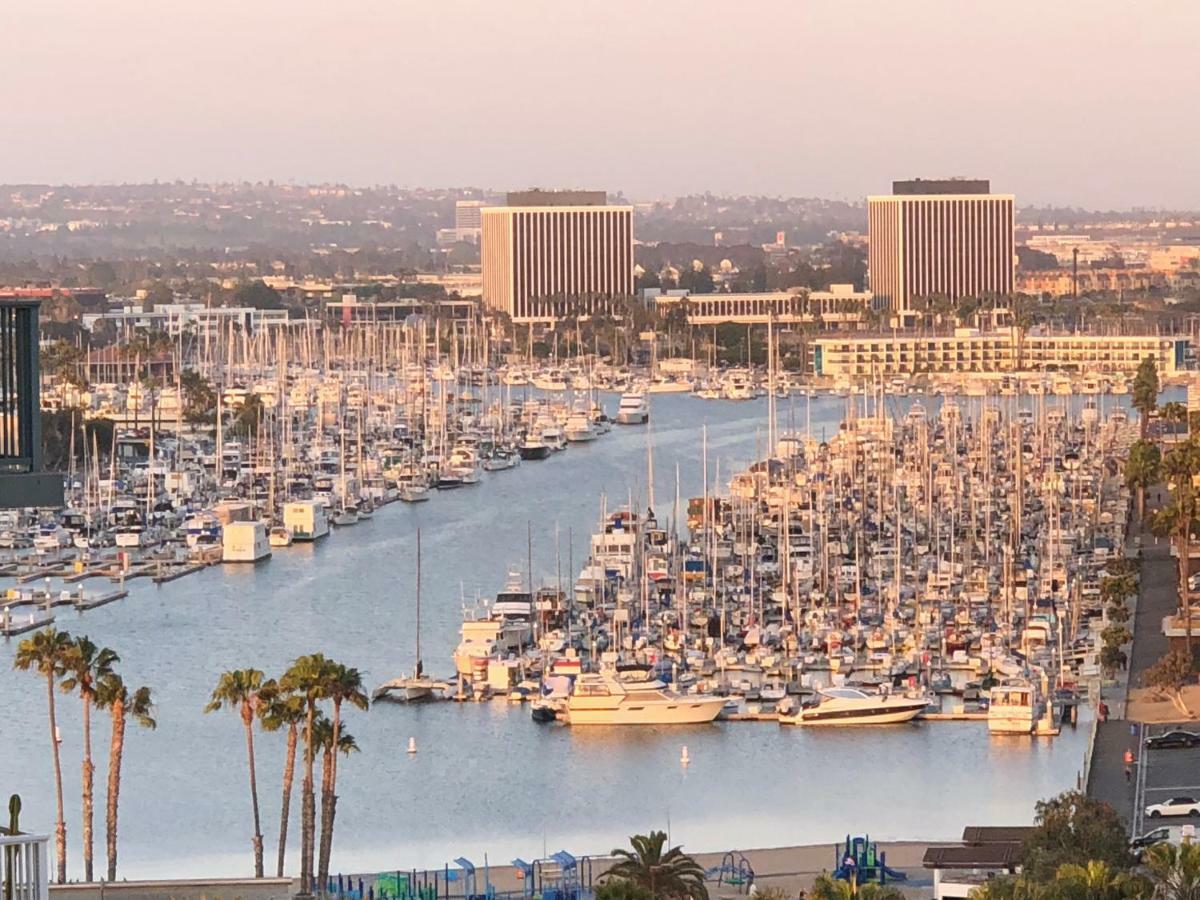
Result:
{"points": [[1176, 806]]}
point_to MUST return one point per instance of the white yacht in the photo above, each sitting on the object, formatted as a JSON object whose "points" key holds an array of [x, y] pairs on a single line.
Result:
{"points": [[579, 428], [601, 700], [1015, 706], [850, 706], [633, 409]]}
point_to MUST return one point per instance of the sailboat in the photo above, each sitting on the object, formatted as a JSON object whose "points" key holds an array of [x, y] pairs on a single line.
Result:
{"points": [[418, 686]]}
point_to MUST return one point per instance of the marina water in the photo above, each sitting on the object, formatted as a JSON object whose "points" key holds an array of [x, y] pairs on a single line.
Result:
{"points": [[485, 779]]}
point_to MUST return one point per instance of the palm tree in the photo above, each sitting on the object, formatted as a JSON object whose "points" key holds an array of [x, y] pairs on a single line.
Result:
{"points": [[323, 735], [86, 665], [1174, 871], [1180, 467], [284, 710], [240, 690], [344, 686], [47, 652], [1143, 468], [1145, 392], [1008, 887], [307, 678], [113, 695], [1095, 880], [672, 874], [826, 887]]}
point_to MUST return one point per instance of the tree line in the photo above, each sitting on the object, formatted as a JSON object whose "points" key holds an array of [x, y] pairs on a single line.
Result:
{"points": [[305, 704]]}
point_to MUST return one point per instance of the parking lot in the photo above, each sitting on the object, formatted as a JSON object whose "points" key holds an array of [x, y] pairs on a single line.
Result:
{"points": [[1163, 774]]}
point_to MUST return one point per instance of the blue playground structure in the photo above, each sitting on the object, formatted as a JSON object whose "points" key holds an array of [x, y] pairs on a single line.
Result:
{"points": [[734, 870], [559, 876], [861, 861]]}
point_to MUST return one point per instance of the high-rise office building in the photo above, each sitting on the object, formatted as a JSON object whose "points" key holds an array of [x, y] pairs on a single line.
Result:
{"points": [[468, 224], [550, 254], [949, 237]]}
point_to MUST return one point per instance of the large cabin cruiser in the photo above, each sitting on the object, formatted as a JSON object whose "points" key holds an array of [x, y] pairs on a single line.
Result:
{"points": [[1015, 706], [603, 700], [633, 409], [496, 631], [850, 706]]}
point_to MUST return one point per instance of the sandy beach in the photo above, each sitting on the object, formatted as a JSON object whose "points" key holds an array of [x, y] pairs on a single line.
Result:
{"points": [[791, 869]]}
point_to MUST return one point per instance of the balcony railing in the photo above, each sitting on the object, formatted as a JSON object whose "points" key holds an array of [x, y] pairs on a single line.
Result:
{"points": [[24, 867]]}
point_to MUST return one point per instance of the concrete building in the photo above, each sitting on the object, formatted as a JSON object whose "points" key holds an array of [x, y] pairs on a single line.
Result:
{"points": [[950, 237], [549, 254], [468, 220], [839, 307], [1062, 282], [988, 352], [173, 318]]}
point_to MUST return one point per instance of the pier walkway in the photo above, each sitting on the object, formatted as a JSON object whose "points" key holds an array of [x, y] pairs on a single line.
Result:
{"points": [[1157, 597]]}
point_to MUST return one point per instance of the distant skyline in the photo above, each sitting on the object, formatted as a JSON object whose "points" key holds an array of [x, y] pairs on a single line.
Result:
{"points": [[1074, 103]]}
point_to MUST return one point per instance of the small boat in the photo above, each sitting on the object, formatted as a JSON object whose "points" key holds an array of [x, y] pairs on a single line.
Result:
{"points": [[501, 459], [347, 515], [418, 686], [414, 493], [280, 536], [850, 706]]}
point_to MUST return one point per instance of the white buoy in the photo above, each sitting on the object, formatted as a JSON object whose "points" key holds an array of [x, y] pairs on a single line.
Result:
{"points": [[412, 745], [684, 759]]}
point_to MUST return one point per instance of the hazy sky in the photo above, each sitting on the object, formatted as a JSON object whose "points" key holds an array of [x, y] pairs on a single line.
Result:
{"points": [[1090, 103]]}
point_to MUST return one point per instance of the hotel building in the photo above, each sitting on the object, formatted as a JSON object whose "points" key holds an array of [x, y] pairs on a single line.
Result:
{"points": [[839, 307], [993, 352], [950, 237], [550, 254]]}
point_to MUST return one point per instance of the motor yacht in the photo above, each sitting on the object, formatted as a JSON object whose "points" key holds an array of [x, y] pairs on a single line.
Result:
{"points": [[633, 409], [603, 700], [533, 447], [850, 706], [579, 428], [1015, 706]]}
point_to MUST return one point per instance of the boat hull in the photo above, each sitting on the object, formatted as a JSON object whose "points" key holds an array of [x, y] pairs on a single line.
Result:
{"points": [[684, 711], [885, 716]]}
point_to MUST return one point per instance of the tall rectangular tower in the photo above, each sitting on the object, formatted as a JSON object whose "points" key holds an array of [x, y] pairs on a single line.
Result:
{"points": [[550, 254], [949, 237]]}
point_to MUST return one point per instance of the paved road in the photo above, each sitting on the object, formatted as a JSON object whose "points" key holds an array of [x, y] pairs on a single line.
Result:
{"points": [[1106, 778], [1157, 597]]}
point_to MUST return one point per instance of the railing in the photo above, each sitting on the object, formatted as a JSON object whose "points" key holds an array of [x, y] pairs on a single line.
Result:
{"points": [[24, 867]]}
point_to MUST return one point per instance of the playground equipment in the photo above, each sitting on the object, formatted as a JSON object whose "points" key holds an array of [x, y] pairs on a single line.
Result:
{"points": [[861, 860], [735, 870], [559, 876]]}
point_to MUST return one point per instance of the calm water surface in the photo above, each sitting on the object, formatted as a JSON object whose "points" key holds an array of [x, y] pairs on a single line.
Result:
{"points": [[486, 779]]}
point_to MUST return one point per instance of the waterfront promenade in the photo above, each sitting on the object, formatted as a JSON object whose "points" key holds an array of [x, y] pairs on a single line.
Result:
{"points": [[1154, 776]]}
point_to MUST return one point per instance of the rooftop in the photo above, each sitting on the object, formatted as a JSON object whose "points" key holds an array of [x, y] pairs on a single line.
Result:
{"points": [[916, 186], [539, 197]]}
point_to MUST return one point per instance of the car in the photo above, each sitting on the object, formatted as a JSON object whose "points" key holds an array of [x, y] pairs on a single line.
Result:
{"points": [[1177, 738], [1176, 806], [1164, 834]]}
